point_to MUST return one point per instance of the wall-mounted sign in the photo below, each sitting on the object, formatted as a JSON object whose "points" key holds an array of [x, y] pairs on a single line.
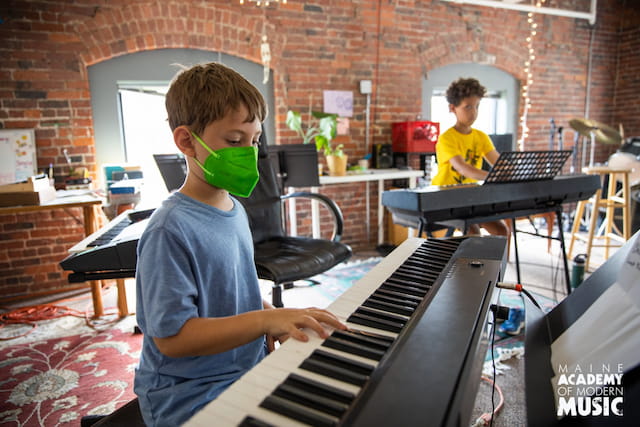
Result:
{"points": [[338, 102]]}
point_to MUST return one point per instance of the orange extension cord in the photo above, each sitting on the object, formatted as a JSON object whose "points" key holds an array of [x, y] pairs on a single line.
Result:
{"points": [[32, 314]]}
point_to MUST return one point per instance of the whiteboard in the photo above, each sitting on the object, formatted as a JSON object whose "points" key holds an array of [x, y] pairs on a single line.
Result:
{"points": [[17, 155]]}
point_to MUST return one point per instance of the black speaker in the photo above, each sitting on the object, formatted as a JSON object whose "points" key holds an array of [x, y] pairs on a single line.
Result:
{"points": [[382, 156]]}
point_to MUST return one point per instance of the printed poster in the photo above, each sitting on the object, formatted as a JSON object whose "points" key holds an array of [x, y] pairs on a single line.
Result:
{"points": [[17, 155]]}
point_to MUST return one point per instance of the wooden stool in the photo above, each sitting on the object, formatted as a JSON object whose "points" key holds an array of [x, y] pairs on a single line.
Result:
{"points": [[615, 199]]}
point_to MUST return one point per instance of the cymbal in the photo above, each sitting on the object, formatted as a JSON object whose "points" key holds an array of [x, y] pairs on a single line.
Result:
{"points": [[603, 133]]}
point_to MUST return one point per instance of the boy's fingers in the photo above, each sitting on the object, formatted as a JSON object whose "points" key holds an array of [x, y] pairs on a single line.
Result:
{"points": [[330, 319], [298, 334]]}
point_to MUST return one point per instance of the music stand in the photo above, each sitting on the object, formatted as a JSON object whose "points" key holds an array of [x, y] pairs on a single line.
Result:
{"points": [[527, 166], [522, 166]]}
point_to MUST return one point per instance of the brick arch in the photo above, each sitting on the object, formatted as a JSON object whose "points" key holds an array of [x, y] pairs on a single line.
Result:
{"points": [[460, 46], [447, 48], [145, 26], [148, 26]]}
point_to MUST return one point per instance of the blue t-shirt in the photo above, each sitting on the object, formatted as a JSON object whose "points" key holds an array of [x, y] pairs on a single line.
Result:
{"points": [[193, 261]]}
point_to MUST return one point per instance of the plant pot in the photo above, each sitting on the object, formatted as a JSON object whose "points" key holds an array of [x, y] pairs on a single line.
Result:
{"points": [[337, 165]]}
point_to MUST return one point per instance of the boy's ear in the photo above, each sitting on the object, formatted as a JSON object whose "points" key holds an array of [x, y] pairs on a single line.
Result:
{"points": [[184, 141], [452, 108]]}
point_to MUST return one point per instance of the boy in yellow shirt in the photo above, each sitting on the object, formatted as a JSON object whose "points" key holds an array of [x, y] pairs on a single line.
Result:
{"points": [[460, 149]]}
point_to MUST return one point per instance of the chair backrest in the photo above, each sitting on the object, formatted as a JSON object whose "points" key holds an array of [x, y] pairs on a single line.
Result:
{"points": [[264, 206]]}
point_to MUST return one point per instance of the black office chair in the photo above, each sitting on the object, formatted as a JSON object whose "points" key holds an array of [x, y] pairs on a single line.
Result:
{"points": [[280, 258]]}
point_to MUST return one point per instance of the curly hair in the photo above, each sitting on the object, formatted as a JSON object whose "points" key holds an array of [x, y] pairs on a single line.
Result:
{"points": [[464, 88], [205, 92]]}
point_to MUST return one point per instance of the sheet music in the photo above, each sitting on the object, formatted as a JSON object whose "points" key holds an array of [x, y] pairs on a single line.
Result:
{"points": [[604, 340]]}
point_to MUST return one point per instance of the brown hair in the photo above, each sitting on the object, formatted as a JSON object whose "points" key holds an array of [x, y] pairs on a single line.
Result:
{"points": [[464, 88], [204, 93]]}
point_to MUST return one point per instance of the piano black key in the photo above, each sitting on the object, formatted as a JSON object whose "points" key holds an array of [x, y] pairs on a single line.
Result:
{"points": [[410, 290], [392, 307], [419, 270], [343, 362], [375, 322], [321, 389], [381, 314], [250, 421], [111, 233], [326, 369], [408, 299], [309, 399], [435, 256], [431, 263], [430, 256], [340, 368], [381, 342], [297, 412], [405, 281], [353, 348], [394, 298], [429, 272]]}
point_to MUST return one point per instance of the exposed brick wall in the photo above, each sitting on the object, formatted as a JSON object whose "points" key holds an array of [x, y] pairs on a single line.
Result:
{"points": [[46, 46], [31, 246]]}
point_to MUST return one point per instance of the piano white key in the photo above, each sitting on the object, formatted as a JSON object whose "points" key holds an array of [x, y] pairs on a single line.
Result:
{"points": [[371, 330], [235, 410], [274, 418]]}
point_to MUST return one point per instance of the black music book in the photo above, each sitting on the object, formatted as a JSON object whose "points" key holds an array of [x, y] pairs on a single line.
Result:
{"points": [[521, 166]]}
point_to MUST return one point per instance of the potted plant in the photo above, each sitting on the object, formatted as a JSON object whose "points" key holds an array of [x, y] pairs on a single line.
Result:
{"points": [[322, 128]]}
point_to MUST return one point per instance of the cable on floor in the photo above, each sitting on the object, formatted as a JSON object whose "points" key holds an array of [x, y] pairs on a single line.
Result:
{"points": [[31, 314], [487, 418]]}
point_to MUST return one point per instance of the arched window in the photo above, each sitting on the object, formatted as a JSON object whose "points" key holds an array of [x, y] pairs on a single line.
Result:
{"points": [[127, 99], [498, 110]]}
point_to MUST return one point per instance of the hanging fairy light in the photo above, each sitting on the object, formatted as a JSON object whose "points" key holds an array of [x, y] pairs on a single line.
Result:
{"points": [[528, 71], [265, 49]]}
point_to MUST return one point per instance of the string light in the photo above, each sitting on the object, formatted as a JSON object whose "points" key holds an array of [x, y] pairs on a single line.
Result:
{"points": [[265, 49], [528, 70]]}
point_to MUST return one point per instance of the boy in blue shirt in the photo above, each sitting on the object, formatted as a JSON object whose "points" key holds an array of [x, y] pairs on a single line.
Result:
{"points": [[198, 299]]}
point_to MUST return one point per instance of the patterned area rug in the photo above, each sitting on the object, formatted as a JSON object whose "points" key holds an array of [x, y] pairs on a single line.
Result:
{"points": [[55, 382], [64, 370]]}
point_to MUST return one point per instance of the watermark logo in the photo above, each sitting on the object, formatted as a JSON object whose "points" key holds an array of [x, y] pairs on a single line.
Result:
{"points": [[592, 390]]}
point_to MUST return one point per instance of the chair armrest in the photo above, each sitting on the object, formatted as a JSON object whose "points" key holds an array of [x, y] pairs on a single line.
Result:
{"points": [[329, 203]]}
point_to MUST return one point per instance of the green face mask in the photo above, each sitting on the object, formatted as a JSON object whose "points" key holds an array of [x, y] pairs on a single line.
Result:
{"points": [[233, 168]]}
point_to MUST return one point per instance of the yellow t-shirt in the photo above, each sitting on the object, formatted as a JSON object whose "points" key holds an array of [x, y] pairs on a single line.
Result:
{"points": [[472, 147]]}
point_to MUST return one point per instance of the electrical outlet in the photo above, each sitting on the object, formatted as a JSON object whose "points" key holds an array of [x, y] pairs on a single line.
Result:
{"points": [[365, 87]]}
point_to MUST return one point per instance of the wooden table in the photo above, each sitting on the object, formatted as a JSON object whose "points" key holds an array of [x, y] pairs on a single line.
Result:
{"points": [[87, 202]]}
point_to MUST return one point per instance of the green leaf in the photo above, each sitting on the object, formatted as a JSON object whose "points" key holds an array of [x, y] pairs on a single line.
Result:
{"points": [[322, 128], [294, 122]]}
